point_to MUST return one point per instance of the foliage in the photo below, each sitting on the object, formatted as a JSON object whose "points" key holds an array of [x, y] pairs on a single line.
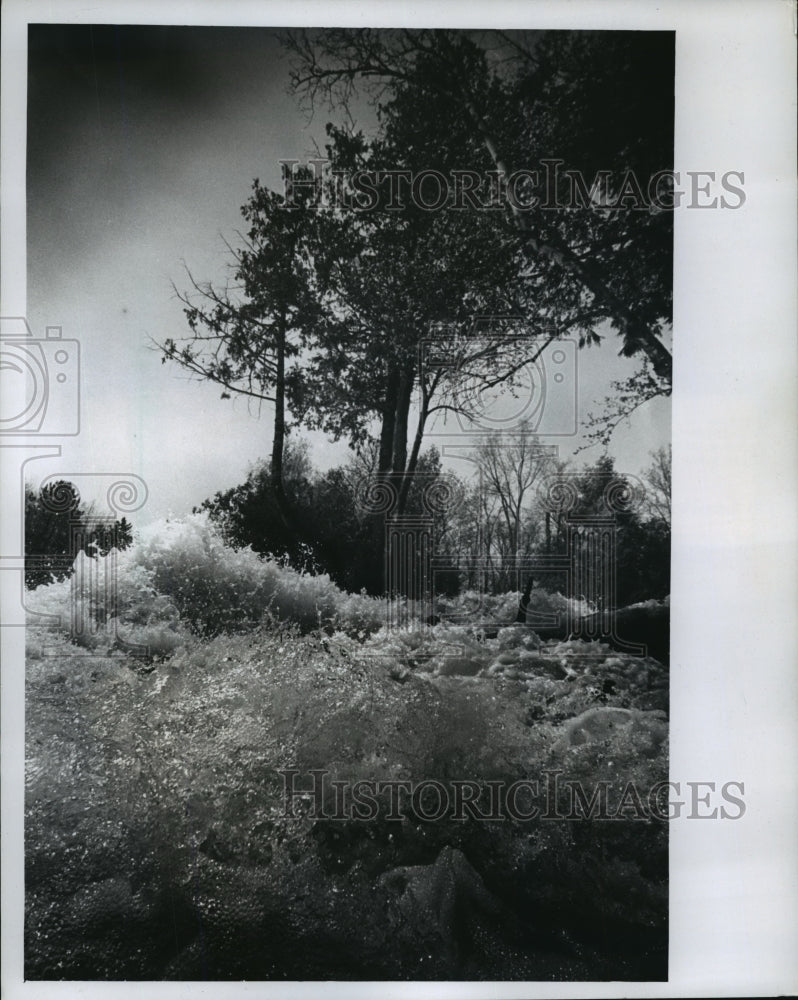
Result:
{"points": [[395, 281], [58, 526], [245, 338], [251, 514], [626, 397], [339, 535], [595, 107], [642, 545], [485, 531], [362, 290]]}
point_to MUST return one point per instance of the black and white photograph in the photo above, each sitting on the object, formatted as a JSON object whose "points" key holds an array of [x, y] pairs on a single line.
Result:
{"points": [[341, 412]]}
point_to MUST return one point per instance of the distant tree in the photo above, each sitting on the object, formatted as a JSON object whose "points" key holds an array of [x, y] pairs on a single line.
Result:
{"points": [[642, 554], [503, 521], [658, 480], [58, 526]]}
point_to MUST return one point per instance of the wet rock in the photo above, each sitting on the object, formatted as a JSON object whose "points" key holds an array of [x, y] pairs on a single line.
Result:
{"points": [[546, 665], [517, 637], [91, 907], [463, 666], [260, 849], [434, 898], [603, 722], [213, 846]]}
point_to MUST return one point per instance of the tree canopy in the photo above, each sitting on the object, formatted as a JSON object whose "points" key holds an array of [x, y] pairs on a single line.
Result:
{"points": [[586, 115]]}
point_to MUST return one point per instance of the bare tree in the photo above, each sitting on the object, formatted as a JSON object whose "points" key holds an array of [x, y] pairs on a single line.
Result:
{"points": [[510, 469], [658, 478]]}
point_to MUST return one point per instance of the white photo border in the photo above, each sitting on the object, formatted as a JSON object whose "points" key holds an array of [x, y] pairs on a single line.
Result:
{"points": [[734, 692]]}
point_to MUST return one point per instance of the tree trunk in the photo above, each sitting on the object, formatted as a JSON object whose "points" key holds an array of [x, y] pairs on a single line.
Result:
{"points": [[523, 604], [414, 453], [278, 440], [404, 395], [388, 419]]}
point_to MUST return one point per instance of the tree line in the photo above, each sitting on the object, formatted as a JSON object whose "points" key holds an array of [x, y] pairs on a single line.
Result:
{"points": [[495, 526]]}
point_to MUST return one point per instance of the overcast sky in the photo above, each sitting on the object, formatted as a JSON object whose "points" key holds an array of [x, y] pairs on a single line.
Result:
{"points": [[142, 145]]}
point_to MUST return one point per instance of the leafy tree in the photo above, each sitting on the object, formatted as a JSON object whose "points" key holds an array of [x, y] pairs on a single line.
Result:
{"points": [[351, 541], [58, 526], [340, 535], [393, 283], [251, 513], [600, 104], [642, 553]]}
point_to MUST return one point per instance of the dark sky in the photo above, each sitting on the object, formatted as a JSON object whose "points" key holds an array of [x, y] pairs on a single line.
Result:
{"points": [[143, 143], [121, 115]]}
